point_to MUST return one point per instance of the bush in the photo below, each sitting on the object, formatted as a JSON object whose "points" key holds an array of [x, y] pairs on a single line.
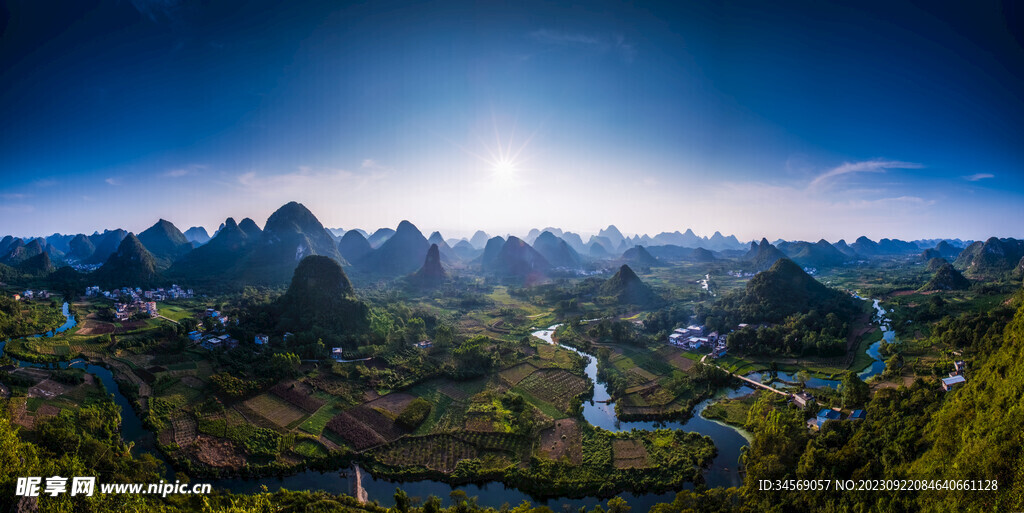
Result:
{"points": [[414, 414]]}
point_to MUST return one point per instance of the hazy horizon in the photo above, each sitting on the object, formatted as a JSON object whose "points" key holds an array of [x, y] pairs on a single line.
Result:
{"points": [[799, 121]]}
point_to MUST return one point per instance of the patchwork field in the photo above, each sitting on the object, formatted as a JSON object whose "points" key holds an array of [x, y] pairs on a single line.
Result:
{"points": [[629, 454], [275, 410], [564, 440], [555, 386]]}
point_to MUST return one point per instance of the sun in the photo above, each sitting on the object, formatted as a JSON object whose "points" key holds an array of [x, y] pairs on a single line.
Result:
{"points": [[504, 168]]}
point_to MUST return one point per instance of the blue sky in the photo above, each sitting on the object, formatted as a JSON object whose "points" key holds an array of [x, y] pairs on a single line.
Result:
{"points": [[799, 120]]}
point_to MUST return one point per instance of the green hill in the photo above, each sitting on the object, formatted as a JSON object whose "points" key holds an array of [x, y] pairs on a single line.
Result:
{"points": [[80, 248], [215, 261], [105, 244], [640, 257], [946, 278], [431, 274], [763, 255], [130, 266], [353, 246], [990, 259], [39, 265], [321, 299], [556, 251], [785, 289], [400, 254], [819, 254], [291, 234], [518, 259], [628, 288], [802, 315], [165, 242]]}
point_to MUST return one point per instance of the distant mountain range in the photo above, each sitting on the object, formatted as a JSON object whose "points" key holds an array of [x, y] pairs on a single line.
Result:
{"points": [[991, 258], [243, 253]]}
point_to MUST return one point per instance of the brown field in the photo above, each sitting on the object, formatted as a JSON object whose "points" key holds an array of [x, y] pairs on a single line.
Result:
{"points": [[642, 374], [563, 440], [629, 454], [47, 388], [274, 409], [393, 404], [357, 434], [131, 326], [514, 375], [184, 430], [297, 394], [377, 421], [91, 327], [46, 410], [675, 358], [217, 452]]}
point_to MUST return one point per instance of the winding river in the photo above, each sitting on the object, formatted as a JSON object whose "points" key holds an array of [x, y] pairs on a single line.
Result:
{"points": [[722, 472]]}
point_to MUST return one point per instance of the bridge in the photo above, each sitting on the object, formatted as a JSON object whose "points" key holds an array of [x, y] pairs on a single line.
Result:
{"points": [[749, 381]]}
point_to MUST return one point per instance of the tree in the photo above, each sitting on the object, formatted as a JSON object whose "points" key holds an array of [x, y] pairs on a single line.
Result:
{"points": [[402, 501], [855, 392], [618, 505], [803, 377]]}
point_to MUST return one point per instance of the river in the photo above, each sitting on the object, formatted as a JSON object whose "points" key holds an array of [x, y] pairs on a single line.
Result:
{"points": [[723, 470]]}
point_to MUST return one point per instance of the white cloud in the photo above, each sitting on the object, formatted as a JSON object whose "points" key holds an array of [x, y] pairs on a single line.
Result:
{"points": [[13, 196], [306, 179], [616, 43], [978, 176], [183, 171], [867, 166], [559, 37], [112, 181]]}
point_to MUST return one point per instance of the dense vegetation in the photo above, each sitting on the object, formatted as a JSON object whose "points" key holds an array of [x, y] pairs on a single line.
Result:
{"points": [[801, 315]]}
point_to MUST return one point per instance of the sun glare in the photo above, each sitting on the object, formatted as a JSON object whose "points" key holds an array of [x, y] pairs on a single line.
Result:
{"points": [[504, 168]]}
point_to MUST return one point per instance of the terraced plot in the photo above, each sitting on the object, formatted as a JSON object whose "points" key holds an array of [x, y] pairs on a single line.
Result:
{"points": [[275, 410], [629, 454], [554, 386], [514, 375]]}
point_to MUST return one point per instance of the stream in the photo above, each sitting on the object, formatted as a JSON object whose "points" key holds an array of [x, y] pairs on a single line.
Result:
{"points": [[723, 470]]}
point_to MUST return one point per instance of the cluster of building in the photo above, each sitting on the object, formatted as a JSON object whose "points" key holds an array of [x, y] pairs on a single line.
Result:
{"points": [[693, 337], [740, 274], [157, 294], [827, 414], [125, 311], [956, 378], [32, 294], [215, 314], [213, 341]]}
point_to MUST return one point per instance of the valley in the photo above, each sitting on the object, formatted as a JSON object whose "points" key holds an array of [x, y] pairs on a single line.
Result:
{"points": [[483, 365]]}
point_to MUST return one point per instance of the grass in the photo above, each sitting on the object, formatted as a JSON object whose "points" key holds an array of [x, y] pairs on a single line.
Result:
{"points": [[309, 449], [175, 313], [314, 425], [731, 411]]}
